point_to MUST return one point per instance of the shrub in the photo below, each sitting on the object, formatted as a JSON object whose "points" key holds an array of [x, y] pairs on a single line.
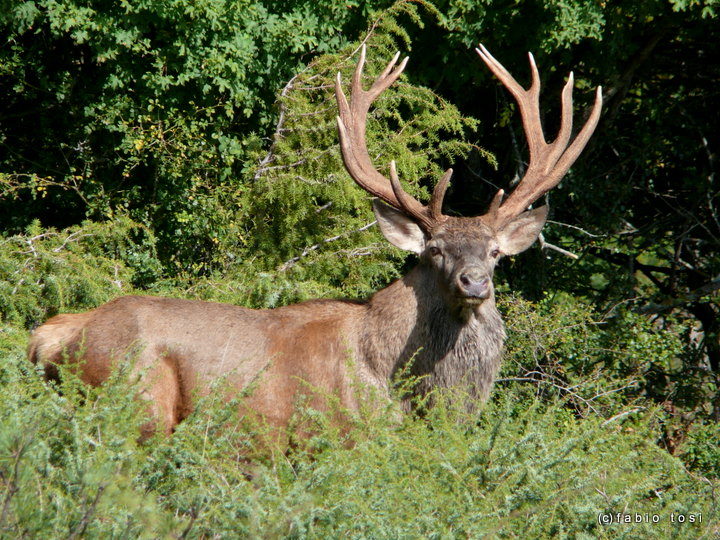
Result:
{"points": [[70, 466], [44, 271]]}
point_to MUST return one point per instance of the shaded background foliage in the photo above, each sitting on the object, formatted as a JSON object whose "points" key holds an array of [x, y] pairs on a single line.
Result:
{"points": [[190, 149]]}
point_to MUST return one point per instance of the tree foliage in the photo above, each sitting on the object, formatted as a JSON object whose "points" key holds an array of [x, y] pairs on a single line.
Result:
{"points": [[150, 107]]}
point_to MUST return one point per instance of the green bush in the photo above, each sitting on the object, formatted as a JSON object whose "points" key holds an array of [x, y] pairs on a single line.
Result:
{"points": [[68, 459], [70, 466], [44, 271], [562, 347], [701, 449]]}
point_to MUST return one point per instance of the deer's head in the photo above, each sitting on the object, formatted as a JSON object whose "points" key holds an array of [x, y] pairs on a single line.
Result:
{"points": [[462, 251]]}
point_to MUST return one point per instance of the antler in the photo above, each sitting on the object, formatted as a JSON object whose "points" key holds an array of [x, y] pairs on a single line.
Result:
{"points": [[351, 127], [548, 161]]}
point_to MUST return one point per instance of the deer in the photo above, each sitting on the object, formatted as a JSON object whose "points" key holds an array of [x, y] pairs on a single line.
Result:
{"points": [[439, 321]]}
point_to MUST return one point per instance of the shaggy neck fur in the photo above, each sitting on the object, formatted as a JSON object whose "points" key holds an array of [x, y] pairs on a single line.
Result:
{"points": [[448, 345]]}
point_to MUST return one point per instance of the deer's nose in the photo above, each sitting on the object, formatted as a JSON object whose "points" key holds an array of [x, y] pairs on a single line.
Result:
{"points": [[474, 282]]}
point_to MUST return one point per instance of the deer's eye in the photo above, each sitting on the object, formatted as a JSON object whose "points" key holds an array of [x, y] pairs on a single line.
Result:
{"points": [[495, 253], [435, 251]]}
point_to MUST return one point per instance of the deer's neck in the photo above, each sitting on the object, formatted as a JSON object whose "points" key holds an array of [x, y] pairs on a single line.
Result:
{"points": [[411, 320]]}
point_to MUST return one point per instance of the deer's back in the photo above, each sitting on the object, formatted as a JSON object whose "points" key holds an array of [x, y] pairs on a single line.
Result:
{"points": [[203, 341]]}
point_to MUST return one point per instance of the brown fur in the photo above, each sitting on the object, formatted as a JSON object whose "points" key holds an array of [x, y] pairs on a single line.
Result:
{"points": [[316, 348]]}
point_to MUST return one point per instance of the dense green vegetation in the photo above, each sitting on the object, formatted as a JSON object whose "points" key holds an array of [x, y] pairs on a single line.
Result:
{"points": [[189, 149]]}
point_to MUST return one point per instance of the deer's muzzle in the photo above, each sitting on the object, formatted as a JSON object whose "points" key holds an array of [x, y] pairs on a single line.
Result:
{"points": [[474, 284]]}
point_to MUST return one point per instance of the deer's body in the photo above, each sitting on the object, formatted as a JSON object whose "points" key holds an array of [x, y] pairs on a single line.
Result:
{"points": [[184, 345], [331, 345], [441, 315]]}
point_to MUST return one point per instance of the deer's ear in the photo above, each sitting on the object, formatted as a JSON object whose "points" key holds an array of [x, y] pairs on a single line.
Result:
{"points": [[398, 229], [521, 232]]}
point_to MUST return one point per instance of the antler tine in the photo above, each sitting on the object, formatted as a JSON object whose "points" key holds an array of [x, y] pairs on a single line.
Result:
{"points": [[438, 195], [566, 120], [406, 201], [582, 138], [495, 204], [351, 128], [548, 161]]}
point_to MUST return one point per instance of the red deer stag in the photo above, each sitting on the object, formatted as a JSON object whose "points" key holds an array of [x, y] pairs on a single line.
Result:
{"points": [[442, 314]]}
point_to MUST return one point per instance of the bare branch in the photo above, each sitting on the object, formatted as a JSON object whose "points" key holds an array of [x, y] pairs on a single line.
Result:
{"points": [[79, 530], [287, 264], [547, 245], [583, 231], [623, 415], [73, 237], [278, 128], [12, 483], [687, 298]]}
